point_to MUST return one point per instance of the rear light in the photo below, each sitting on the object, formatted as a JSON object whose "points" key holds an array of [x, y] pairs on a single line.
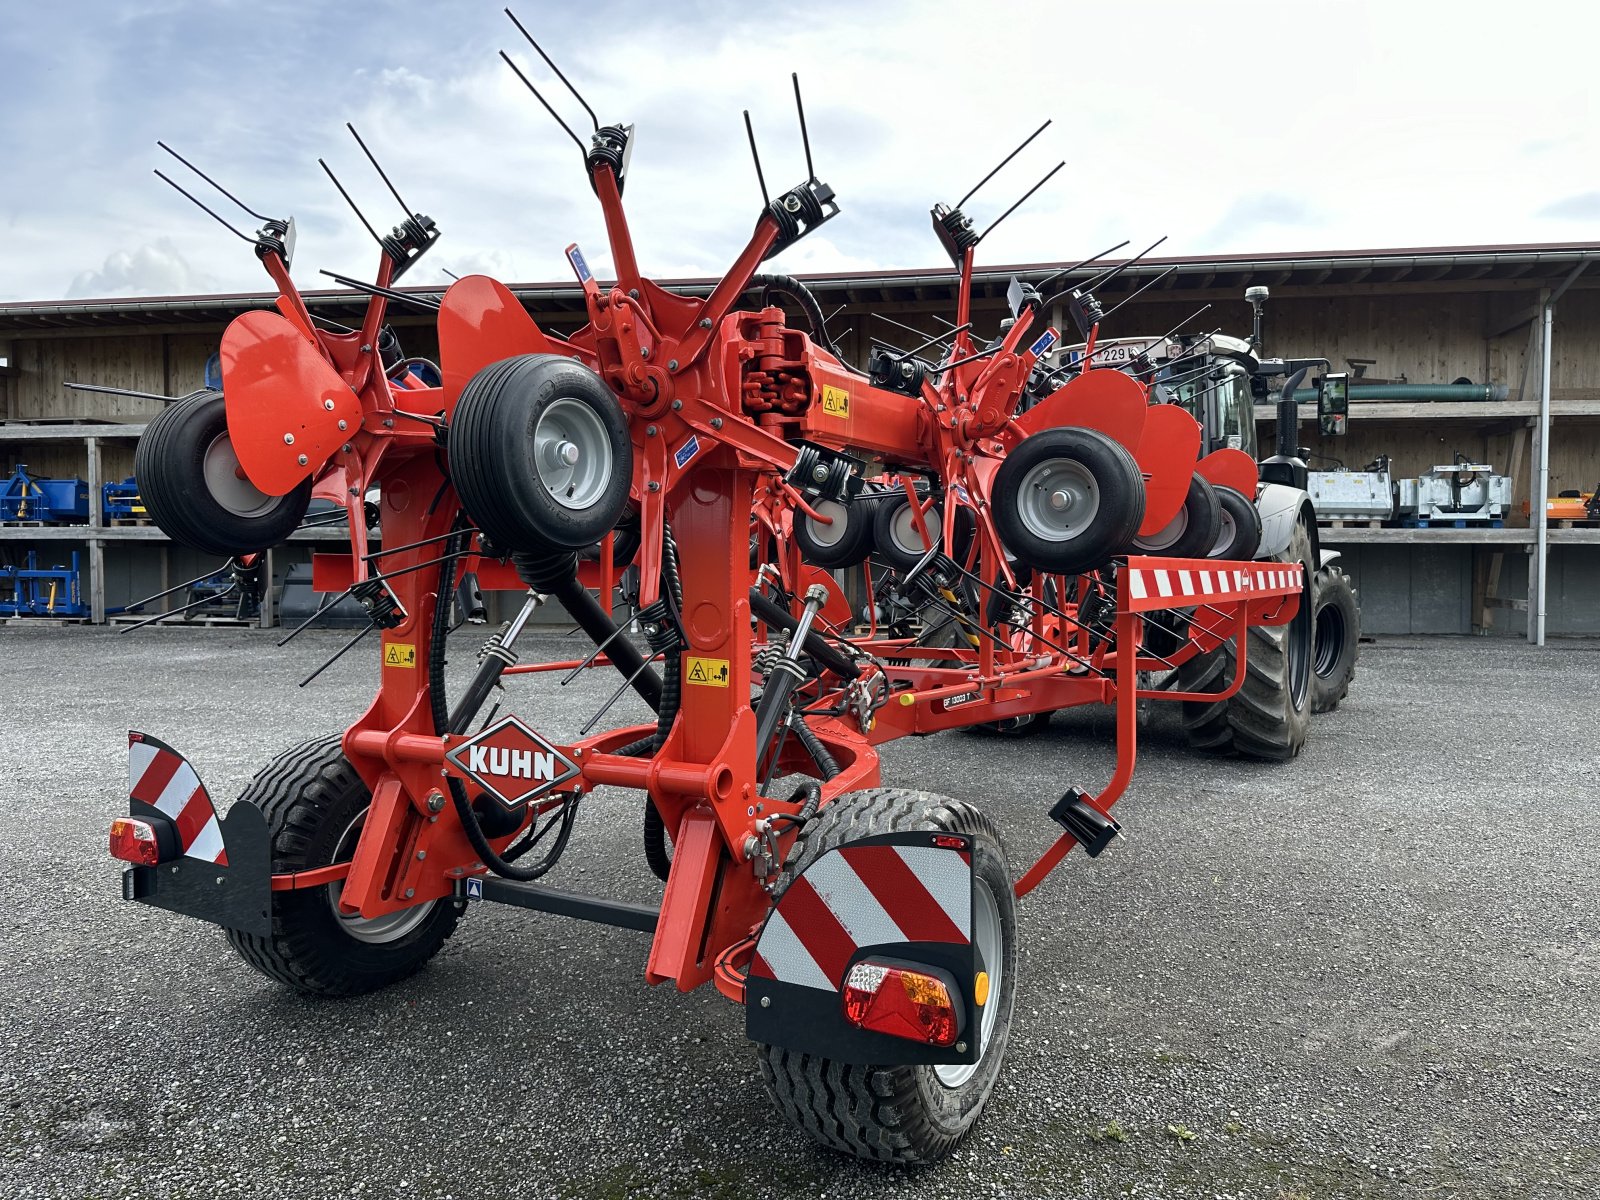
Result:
{"points": [[135, 841], [901, 1002]]}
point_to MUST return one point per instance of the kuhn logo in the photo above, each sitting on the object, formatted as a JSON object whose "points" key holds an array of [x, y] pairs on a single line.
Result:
{"points": [[512, 763]]}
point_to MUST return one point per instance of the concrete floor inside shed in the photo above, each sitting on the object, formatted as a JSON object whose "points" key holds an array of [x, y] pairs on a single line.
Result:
{"points": [[1373, 971]]}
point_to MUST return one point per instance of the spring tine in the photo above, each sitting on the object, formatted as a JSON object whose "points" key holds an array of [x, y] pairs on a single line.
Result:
{"points": [[394, 191], [175, 588], [185, 608], [1024, 199], [322, 608], [598, 651], [616, 695], [528, 83], [340, 653], [359, 214], [184, 192], [761, 178], [593, 120], [211, 181], [962, 202]]}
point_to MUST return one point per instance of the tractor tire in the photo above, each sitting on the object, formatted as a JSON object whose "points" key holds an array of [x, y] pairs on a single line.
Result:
{"points": [[1336, 640], [1067, 500], [190, 483], [903, 1114], [314, 803], [845, 543], [1193, 532], [1268, 717], [1239, 537], [540, 454]]}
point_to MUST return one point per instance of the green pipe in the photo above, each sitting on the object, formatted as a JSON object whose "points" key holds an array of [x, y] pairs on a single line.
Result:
{"points": [[1414, 391]]}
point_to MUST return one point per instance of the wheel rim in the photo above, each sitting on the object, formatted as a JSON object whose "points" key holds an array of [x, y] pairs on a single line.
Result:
{"points": [[226, 482], [990, 941], [904, 530], [390, 927], [1168, 534], [1227, 535], [1329, 640], [828, 535], [573, 454], [1058, 500]]}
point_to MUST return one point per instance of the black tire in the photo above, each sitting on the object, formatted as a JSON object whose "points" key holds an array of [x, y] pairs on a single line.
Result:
{"points": [[190, 484], [313, 801], [1239, 535], [510, 481], [1268, 717], [1193, 532], [896, 541], [899, 1114], [1097, 475], [847, 542], [1336, 639]]}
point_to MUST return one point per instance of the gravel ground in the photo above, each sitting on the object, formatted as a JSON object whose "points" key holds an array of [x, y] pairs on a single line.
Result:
{"points": [[1371, 972]]}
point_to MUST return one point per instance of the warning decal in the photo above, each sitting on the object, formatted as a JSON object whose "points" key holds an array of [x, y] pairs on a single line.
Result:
{"points": [[835, 401], [707, 672], [400, 654]]}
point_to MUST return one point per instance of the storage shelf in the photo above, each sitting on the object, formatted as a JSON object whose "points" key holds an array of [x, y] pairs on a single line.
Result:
{"points": [[66, 433], [1485, 412], [1460, 537], [131, 533]]}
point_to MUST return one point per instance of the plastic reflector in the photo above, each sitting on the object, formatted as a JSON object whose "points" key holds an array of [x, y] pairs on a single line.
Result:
{"points": [[135, 841], [900, 1002]]}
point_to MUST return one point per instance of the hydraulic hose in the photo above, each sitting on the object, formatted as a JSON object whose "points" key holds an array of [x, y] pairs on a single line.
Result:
{"points": [[556, 574], [788, 285], [815, 644]]}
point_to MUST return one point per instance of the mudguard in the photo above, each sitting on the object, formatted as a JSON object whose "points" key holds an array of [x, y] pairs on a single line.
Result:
{"points": [[1279, 506], [224, 872], [900, 896]]}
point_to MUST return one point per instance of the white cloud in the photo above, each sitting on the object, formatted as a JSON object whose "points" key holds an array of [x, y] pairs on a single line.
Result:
{"points": [[155, 269]]}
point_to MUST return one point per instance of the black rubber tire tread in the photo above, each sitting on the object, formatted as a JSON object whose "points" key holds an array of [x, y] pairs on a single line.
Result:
{"points": [[167, 464], [492, 457], [1260, 720], [1202, 513], [885, 548], [884, 1113], [309, 794], [853, 549], [1330, 685], [1121, 500], [1246, 542]]}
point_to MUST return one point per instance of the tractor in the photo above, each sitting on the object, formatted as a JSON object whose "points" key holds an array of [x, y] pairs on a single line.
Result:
{"points": [[869, 933]]}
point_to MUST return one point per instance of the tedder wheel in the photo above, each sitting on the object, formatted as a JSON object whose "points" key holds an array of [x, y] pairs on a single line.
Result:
{"points": [[845, 543], [191, 483], [1336, 641], [1193, 532], [540, 453], [905, 1114], [894, 534], [1268, 716], [1239, 537], [315, 805], [1066, 500]]}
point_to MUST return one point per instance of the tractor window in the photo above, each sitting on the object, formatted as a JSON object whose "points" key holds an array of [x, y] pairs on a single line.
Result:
{"points": [[1218, 398]]}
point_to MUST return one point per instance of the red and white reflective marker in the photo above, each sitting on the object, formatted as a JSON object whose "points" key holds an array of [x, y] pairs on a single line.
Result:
{"points": [[161, 778]]}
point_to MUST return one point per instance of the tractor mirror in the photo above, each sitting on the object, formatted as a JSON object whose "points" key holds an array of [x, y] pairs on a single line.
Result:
{"points": [[1333, 404]]}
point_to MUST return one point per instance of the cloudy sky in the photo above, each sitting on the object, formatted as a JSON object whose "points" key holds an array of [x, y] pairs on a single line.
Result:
{"points": [[1229, 126]]}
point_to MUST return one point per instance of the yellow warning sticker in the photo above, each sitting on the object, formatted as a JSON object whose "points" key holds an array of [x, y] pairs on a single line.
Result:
{"points": [[400, 654], [835, 401], [707, 672]]}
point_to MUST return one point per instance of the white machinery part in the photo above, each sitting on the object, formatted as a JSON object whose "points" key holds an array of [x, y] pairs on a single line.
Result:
{"points": [[1351, 495], [1456, 492], [1279, 506], [1324, 557]]}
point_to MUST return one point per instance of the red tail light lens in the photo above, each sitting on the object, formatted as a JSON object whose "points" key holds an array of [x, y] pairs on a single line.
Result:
{"points": [[900, 1002], [135, 841]]}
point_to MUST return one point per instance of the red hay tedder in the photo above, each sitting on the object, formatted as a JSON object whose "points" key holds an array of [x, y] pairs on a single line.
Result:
{"points": [[735, 461]]}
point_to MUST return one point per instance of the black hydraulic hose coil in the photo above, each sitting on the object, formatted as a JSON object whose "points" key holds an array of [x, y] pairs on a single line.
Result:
{"points": [[788, 285]]}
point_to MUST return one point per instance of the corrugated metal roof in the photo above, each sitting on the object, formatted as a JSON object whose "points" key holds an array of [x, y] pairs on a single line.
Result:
{"points": [[1521, 266]]}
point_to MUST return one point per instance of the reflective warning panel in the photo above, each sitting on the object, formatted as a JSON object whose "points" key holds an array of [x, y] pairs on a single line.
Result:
{"points": [[512, 763]]}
